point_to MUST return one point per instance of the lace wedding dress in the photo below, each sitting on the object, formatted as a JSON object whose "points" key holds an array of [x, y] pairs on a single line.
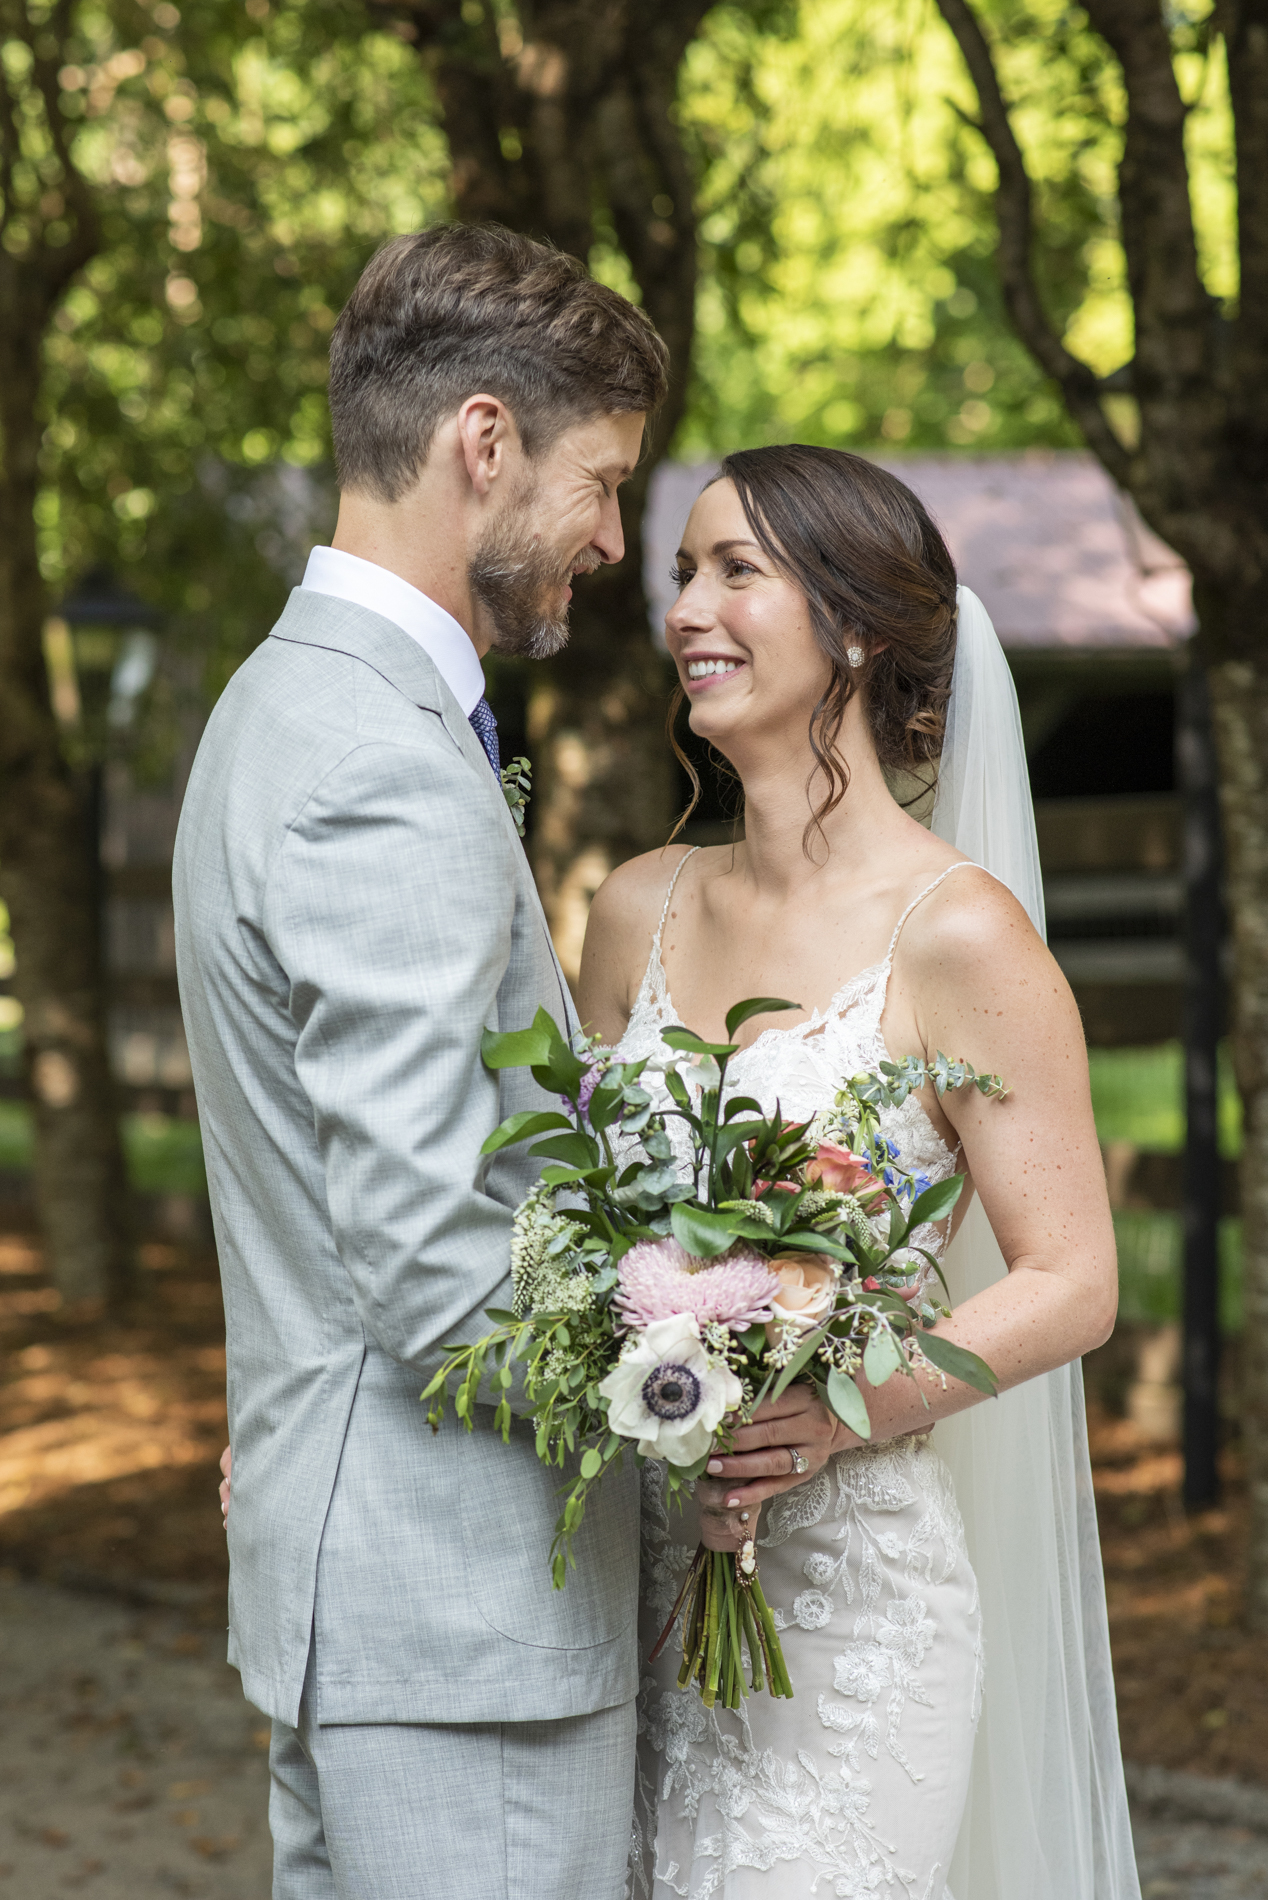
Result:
{"points": [[854, 1788]]}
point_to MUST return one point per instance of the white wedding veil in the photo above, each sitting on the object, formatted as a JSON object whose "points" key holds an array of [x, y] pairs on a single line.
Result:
{"points": [[1047, 1811]]}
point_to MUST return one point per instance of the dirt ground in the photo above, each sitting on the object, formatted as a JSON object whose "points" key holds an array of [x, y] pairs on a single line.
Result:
{"points": [[129, 1762], [131, 1768]]}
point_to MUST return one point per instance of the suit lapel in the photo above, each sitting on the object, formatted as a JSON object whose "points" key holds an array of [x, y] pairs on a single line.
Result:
{"points": [[322, 620]]}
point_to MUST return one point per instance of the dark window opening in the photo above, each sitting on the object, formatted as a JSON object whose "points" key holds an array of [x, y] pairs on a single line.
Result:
{"points": [[1108, 746]]}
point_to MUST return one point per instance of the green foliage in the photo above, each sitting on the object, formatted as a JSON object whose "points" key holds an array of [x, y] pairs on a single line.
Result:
{"points": [[1150, 1268], [749, 1179], [164, 1155], [239, 160], [849, 294], [1138, 1096], [517, 789]]}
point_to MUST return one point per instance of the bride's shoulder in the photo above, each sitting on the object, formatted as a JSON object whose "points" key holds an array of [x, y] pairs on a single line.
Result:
{"points": [[970, 924], [624, 916], [634, 894]]}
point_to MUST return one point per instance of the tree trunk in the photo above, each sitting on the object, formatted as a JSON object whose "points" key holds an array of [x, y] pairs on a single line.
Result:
{"points": [[1200, 479], [48, 868], [1239, 693], [559, 122]]}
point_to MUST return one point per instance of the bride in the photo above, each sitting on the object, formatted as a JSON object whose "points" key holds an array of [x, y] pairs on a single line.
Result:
{"points": [[939, 1587]]}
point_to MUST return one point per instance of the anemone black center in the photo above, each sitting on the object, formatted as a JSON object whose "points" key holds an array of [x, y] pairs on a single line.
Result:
{"points": [[671, 1391]]}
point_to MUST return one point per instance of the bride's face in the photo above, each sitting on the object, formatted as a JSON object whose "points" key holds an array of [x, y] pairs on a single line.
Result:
{"points": [[740, 630]]}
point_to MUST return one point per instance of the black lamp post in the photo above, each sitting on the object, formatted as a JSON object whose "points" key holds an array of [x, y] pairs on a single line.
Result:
{"points": [[114, 648], [1203, 1013]]}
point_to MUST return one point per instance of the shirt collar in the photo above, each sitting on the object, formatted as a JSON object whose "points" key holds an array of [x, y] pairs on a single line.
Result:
{"points": [[366, 584]]}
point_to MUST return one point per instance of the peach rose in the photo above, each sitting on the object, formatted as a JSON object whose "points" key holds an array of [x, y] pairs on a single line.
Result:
{"points": [[840, 1171], [807, 1290]]}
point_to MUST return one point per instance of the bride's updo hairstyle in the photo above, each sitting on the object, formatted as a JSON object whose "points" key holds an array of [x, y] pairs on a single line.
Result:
{"points": [[876, 574]]}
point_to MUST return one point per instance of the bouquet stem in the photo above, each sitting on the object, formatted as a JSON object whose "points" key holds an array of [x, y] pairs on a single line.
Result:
{"points": [[722, 1611]]}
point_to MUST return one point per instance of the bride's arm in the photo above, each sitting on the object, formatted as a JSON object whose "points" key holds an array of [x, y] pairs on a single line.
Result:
{"points": [[988, 989], [985, 988]]}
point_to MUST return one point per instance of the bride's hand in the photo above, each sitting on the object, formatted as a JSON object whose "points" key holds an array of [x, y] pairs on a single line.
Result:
{"points": [[762, 1463]]}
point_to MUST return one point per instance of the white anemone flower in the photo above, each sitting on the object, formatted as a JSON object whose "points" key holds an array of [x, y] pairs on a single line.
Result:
{"points": [[668, 1393]]}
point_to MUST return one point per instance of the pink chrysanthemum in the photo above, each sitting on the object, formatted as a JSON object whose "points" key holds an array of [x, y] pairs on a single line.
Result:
{"points": [[658, 1279]]}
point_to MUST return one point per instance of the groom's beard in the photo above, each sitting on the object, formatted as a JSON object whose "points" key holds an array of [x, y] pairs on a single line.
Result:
{"points": [[515, 579]]}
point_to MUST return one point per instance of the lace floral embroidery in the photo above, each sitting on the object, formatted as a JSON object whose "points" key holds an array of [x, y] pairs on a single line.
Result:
{"points": [[749, 1807], [860, 1559]]}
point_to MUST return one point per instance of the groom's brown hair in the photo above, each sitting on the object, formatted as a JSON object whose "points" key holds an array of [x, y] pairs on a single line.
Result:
{"points": [[460, 310]]}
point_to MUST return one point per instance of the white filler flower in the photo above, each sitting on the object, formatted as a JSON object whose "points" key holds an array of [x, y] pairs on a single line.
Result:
{"points": [[668, 1393]]}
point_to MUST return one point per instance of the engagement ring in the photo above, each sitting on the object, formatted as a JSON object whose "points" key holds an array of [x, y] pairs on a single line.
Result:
{"points": [[800, 1464]]}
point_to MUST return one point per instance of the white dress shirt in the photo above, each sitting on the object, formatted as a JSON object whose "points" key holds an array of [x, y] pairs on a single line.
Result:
{"points": [[365, 584]]}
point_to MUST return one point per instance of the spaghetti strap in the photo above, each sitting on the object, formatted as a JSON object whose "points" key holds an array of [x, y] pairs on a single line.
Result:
{"points": [[669, 897], [962, 864]]}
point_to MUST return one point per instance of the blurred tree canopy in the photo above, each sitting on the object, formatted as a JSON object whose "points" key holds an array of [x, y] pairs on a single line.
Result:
{"points": [[244, 170], [849, 290], [248, 158]]}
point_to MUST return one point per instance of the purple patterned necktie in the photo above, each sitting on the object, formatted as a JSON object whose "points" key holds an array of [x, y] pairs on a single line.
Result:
{"points": [[485, 727]]}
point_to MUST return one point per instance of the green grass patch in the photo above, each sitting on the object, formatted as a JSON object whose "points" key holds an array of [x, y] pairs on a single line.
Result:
{"points": [[15, 1136], [165, 1156], [1150, 1258], [1138, 1096]]}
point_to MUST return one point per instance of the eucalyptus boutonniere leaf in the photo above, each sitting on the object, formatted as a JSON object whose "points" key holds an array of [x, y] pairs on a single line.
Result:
{"points": [[517, 787]]}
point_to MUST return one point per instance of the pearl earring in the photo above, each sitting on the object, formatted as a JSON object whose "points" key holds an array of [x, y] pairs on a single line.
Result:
{"points": [[855, 655]]}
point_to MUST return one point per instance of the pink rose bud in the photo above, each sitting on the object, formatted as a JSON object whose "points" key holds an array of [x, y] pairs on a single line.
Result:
{"points": [[871, 1284], [840, 1171]]}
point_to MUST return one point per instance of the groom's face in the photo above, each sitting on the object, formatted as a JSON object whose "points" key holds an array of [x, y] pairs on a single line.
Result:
{"points": [[559, 518]]}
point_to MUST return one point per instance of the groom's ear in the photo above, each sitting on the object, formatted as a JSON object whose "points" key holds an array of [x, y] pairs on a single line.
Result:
{"points": [[487, 436]]}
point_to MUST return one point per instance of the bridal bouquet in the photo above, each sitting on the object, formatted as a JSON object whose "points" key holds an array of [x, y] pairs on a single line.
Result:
{"points": [[662, 1292]]}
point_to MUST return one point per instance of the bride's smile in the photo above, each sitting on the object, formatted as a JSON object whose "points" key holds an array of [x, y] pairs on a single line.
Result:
{"points": [[739, 631]]}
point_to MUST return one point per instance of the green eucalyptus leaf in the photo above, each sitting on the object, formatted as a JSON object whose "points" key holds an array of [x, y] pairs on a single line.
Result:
{"points": [[848, 1403], [688, 1473], [881, 1358], [958, 1363], [755, 1006], [800, 1359], [591, 1463]]}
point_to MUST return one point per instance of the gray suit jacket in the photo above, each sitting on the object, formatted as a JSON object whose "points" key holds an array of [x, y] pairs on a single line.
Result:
{"points": [[353, 907]]}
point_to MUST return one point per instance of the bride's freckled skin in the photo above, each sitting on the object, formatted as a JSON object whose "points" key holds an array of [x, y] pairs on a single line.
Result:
{"points": [[794, 913]]}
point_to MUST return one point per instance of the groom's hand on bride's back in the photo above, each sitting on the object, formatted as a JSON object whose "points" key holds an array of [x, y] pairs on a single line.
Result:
{"points": [[762, 1463]]}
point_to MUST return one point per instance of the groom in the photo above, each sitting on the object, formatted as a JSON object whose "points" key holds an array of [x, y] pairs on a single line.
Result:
{"points": [[353, 908]]}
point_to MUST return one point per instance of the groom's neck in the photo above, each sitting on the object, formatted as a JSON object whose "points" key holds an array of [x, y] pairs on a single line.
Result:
{"points": [[422, 537]]}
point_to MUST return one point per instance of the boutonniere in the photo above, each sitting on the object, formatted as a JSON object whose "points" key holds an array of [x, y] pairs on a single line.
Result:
{"points": [[517, 787]]}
